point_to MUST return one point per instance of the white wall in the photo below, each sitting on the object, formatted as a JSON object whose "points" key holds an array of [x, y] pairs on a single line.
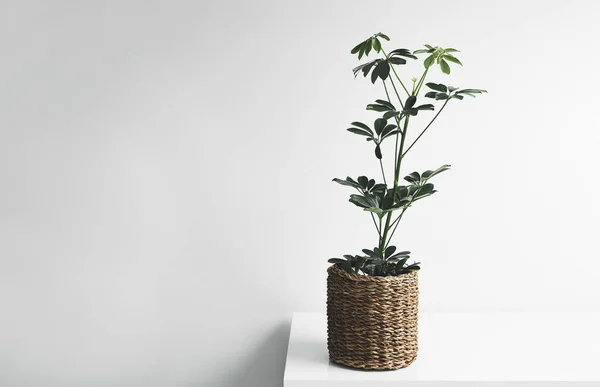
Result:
{"points": [[165, 170]]}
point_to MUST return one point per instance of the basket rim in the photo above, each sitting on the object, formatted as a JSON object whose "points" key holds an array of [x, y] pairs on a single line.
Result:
{"points": [[371, 278]]}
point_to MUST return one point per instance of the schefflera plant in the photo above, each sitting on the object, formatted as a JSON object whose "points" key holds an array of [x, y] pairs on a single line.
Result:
{"points": [[388, 203]]}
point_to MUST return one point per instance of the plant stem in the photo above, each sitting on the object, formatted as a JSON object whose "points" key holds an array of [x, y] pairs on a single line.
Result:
{"points": [[421, 81], [375, 223], [396, 91], [397, 221], [397, 122], [427, 127], [382, 172], [386, 229], [396, 74]]}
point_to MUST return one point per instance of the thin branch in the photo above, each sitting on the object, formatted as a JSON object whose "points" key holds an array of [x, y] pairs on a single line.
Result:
{"points": [[397, 124], [396, 176], [400, 216], [427, 127], [375, 223], [397, 221], [396, 91], [396, 74], [421, 81], [382, 172]]}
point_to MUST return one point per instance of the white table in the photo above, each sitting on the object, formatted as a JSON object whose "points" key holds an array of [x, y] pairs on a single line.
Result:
{"points": [[464, 349]]}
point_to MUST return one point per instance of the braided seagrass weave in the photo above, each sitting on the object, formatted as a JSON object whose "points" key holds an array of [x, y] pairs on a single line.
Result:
{"points": [[372, 321]]}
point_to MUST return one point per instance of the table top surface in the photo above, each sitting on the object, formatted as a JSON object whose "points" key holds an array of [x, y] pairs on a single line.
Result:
{"points": [[466, 347]]}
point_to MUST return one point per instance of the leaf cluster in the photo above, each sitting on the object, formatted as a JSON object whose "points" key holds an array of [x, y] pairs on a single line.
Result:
{"points": [[380, 200], [443, 92], [377, 198], [372, 43], [376, 262], [439, 55], [381, 66], [381, 130]]}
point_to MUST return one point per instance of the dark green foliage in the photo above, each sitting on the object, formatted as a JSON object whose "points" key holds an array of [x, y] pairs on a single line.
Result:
{"points": [[380, 66], [377, 263], [372, 43], [383, 202], [411, 110], [443, 92]]}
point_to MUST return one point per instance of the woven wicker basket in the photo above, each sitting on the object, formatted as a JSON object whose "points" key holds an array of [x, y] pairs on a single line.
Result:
{"points": [[372, 321]]}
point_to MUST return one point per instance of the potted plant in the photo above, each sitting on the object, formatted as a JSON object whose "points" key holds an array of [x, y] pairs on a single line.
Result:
{"points": [[372, 298]]}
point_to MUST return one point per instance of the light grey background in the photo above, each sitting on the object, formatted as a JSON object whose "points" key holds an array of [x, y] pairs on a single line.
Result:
{"points": [[165, 167]]}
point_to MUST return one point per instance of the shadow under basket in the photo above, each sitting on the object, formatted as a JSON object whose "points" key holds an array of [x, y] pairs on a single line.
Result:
{"points": [[372, 321]]}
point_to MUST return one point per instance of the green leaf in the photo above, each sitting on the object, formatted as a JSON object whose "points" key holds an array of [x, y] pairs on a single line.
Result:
{"points": [[430, 94], [382, 70], [397, 61], [458, 96], [437, 87], [452, 89], [392, 133], [359, 131], [414, 266], [441, 96], [348, 182], [375, 73], [362, 126], [377, 108], [358, 264], [365, 67], [385, 103], [413, 177], [428, 46], [400, 263], [336, 260], [428, 61], [383, 36], [471, 91], [401, 192], [421, 52], [368, 46], [368, 67], [444, 66], [370, 253], [452, 59], [378, 188], [347, 266], [378, 152], [401, 52], [387, 202], [357, 48], [430, 174], [387, 130], [376, 45], [410, 102], [426, 189], [426, 107], [363, 181], [359, 201], [389, 251], [362, 50], [451, 50], [390, 114], [379, 124]]}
